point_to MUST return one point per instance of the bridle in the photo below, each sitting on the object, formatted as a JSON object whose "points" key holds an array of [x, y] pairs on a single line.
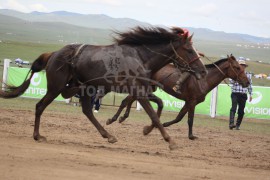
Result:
{"points": [[237, 74], [179, 57]]}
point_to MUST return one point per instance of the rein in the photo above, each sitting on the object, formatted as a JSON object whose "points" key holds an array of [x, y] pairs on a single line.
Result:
{"points": [[215, 66], [218, 69], [183, 64], [179, 57], [168, 76], [237, 75]]}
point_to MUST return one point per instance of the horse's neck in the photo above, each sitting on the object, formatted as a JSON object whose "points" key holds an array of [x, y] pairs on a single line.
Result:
{"points": [[158, 57], [213, 78]]}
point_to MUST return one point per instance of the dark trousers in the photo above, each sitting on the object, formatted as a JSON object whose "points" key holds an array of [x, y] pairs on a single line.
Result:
{"points": [[238, 99], [96, 103]]}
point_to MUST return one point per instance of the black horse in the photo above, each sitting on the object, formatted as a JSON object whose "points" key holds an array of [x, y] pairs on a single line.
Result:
{"points": [[125, 67]]}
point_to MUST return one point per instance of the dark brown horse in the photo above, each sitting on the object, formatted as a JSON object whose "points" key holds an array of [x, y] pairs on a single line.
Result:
{"points": [[126, 67], [193, 91]]}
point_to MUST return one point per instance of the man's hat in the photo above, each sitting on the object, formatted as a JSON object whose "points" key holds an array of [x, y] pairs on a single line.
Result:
{"points": [[242, 62]]}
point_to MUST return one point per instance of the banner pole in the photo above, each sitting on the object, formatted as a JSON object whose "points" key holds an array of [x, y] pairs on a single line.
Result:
{"points": [[213, 104], [5, 73], [138, 106]]}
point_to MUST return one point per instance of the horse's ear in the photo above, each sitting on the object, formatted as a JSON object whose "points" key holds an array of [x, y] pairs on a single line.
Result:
{"points": [[230, 58], [185, 35], [190, 37]]}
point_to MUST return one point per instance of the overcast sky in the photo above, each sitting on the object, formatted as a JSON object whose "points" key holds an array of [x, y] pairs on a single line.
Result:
{"points": [[236, 16]]}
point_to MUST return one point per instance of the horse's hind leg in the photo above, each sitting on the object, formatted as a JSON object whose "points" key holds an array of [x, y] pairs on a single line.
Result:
{"points": [[87, 110], [40, 107]]}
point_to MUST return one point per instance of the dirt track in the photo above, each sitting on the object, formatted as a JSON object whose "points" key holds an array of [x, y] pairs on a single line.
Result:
{"points": [[75, 150]]}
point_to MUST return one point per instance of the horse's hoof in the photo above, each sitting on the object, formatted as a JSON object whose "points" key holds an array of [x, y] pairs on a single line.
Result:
{"points": [[121, 119], [109, 121], [147, 130], [112, 139], [173, 146], [193, 137], [40, 138], [166, 124]]}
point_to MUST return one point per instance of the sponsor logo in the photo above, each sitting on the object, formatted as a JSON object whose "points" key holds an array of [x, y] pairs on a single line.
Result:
{"points": [[257, 97], [257, 110], [36, 79], [35, 89]]}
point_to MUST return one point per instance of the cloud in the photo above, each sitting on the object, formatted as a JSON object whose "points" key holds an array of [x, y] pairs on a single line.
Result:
{"points": [[206, 10], [150, 4], [106, 2], [251, 16], [38, 7], [13, 4]]}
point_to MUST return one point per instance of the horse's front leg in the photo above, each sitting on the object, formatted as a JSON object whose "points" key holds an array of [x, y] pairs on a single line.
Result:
{"points": [[126, 115], [158, 101], [124, 103], [155, 120], [87, 110], [179, 117]]}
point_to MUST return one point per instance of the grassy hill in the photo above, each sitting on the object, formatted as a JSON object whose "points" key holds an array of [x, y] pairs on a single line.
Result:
{"points": [[221, 49], [14, 29], [212, 43], [100, 21]]}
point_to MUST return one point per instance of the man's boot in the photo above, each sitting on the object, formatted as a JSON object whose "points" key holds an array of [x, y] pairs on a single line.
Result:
{"points": [[177, 87], [231, 125], [179, 82], [239, 121]]}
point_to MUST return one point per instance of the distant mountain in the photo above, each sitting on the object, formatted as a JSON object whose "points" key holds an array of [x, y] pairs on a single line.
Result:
{"points": [[102, 21], [210, 35], [63, 27], [91, 21], [14, 29]]}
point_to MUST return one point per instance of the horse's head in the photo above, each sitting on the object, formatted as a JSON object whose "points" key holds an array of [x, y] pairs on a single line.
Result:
{"points": [[187, 54], [237, 71]]}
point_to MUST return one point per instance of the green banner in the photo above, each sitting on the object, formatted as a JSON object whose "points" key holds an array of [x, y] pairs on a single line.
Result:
{"points": [[170, 103], [38, 85], [258, 108]]}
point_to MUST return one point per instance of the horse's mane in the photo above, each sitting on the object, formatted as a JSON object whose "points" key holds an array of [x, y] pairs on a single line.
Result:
{"points": [[151, 35], [217, 63]]}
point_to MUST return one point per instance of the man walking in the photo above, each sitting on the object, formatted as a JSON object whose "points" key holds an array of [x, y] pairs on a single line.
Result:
{"points": [[239, 98]]}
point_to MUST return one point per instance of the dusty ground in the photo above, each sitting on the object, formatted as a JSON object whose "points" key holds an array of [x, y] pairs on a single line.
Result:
{"points": [[75, 150]]}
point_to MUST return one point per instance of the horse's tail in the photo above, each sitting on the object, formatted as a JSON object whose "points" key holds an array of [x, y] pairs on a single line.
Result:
{"points": [[38, 65]]}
